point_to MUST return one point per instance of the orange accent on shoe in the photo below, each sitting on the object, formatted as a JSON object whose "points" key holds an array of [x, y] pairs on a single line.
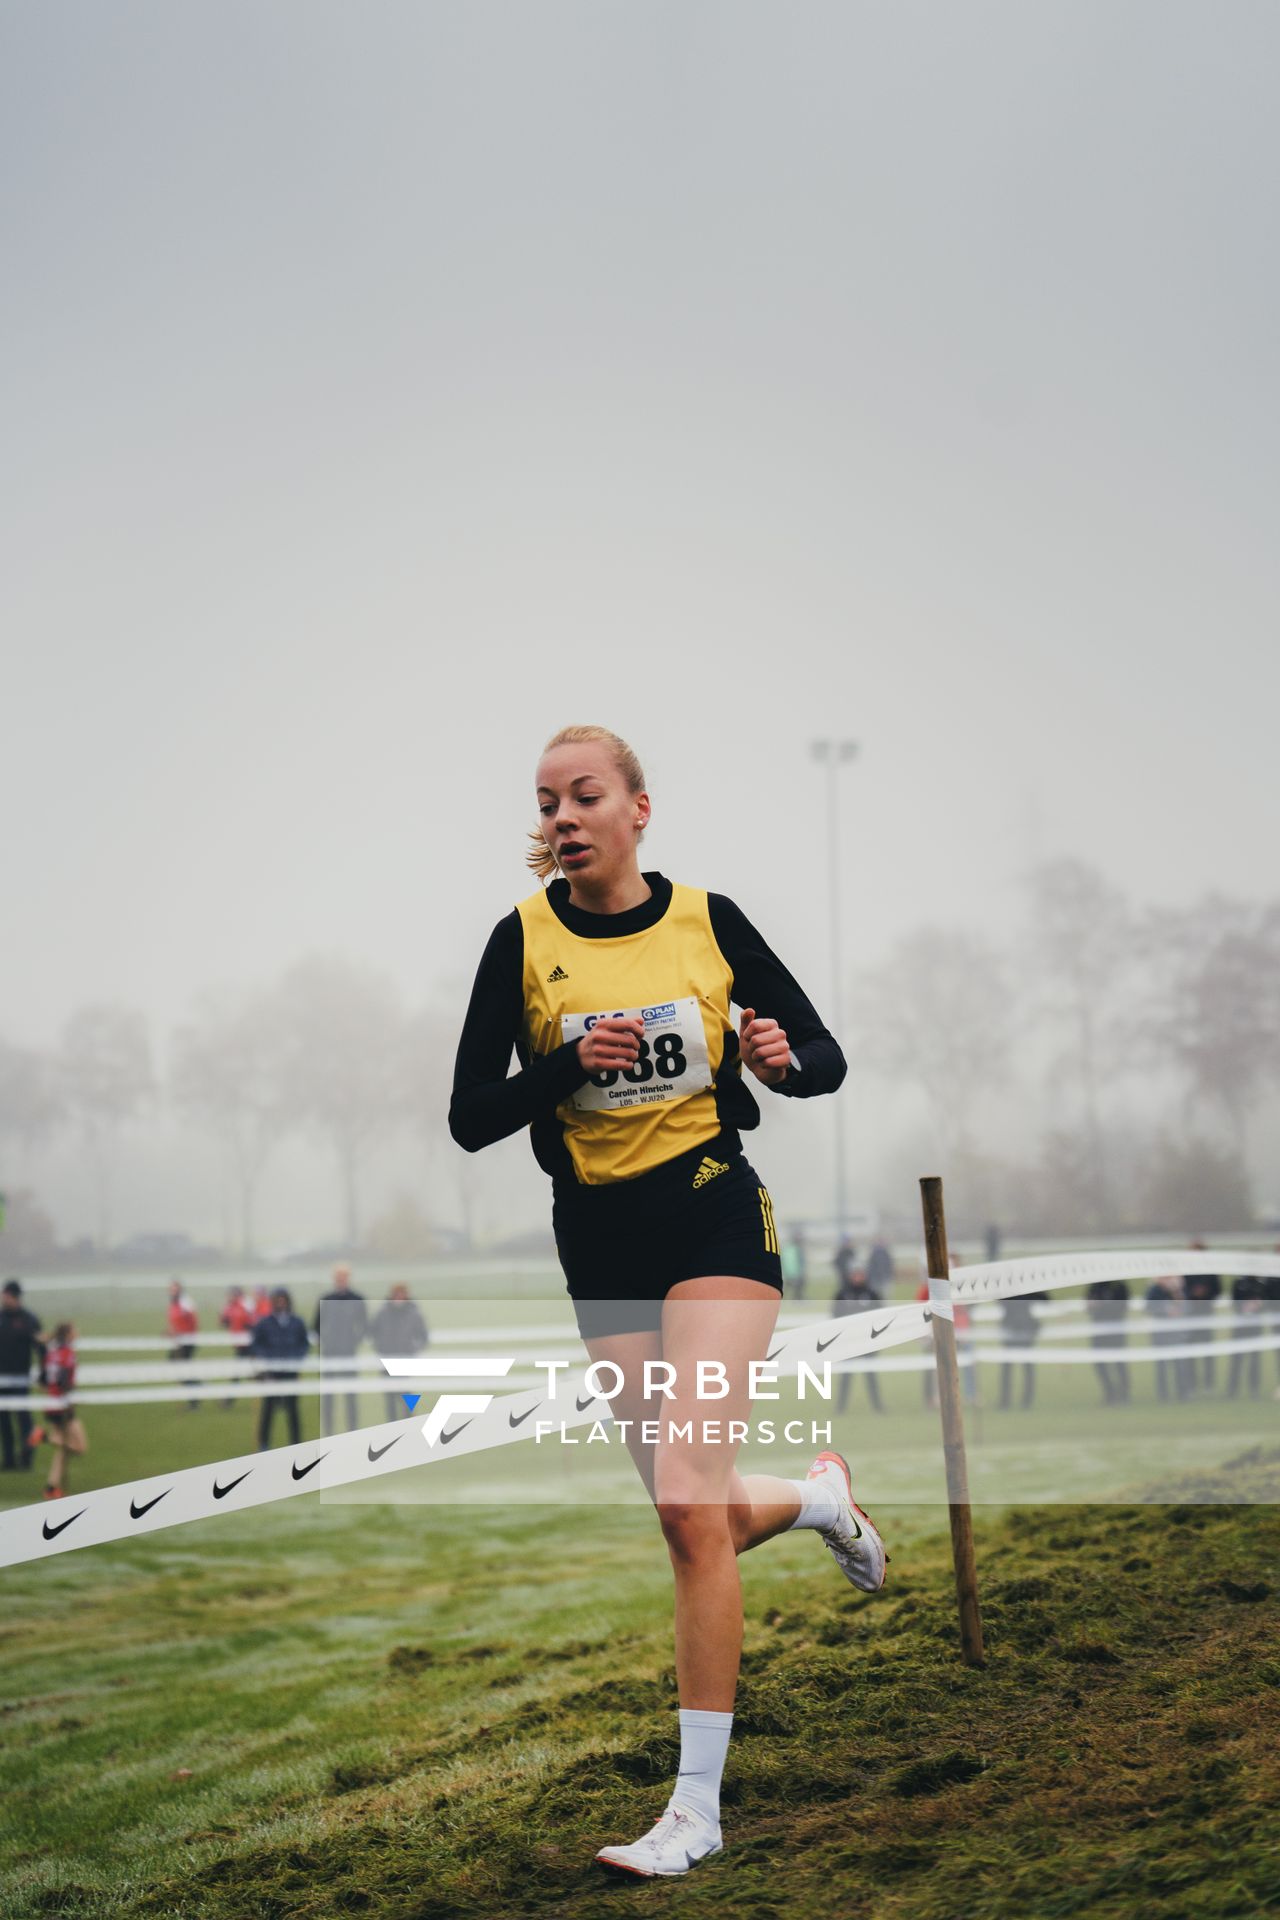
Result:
{"points": [[821, 1460], [829, 1453]]}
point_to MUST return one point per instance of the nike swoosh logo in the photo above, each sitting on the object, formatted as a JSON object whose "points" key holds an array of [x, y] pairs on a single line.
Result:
{"points": [[376, 1453], [590, 1401], [300, 1473], [51, 1533], [220, 1493], [775, 1353], [518, 1419], [857, 1530], [824, 1344], [136, 1512], [445, 1438], [877, 1331]]}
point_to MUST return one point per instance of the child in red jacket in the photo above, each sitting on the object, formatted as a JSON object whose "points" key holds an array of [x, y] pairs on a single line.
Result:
{"points": [[62, 1428]]}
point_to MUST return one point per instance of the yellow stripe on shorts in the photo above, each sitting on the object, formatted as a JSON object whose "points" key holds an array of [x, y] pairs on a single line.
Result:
{"points": [[766, 1214]]}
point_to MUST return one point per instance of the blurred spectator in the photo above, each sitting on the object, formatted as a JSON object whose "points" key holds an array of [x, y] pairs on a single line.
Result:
{"points": [[19, 1342], [795, 1264], [237, 1318], [283, 1342], [1271, 1296], [1164, 1303], [992, 1242], [880, 1274], [398, 1332], [261, 1304], [1107, 1305], [62, 1427], [855, 1295], [1201, 1290], [183, 1322], [963, 1325], [929, 1378], [341, 1322], [964, 1345], [1247, 1294], [1019, 1328]]}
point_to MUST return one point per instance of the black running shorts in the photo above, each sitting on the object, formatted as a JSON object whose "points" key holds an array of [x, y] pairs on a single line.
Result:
{"points": [[705, 1212]]}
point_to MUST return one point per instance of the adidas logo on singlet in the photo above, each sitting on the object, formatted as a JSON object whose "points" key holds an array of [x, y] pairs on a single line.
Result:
{"points": [[708, 1171], [556, 973]]}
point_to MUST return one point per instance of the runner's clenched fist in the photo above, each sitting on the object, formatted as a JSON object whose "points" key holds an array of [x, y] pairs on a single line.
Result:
{"points": [[611, 1044], [765, 1048]]}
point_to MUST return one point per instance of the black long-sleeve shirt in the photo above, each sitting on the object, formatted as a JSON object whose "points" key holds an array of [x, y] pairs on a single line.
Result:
{"points": [[282, 1339], [489, 1104]]}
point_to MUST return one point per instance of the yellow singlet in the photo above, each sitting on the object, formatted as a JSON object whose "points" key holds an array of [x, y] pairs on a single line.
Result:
{"points": [[675, 978]]}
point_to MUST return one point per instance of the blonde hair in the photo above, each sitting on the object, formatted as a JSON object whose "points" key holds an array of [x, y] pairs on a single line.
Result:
{"points": [[538, 855]]}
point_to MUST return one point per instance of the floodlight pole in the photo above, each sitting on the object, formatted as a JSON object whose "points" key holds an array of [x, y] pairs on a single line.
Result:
{"points": [[833, 754], [944, 1352]]}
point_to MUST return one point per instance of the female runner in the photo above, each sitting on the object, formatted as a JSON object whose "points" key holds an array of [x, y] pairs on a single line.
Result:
{"points": [[660, 1223]]}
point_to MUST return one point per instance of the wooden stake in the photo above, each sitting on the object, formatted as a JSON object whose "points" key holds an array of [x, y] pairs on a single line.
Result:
{"points": [[944, 1353]]}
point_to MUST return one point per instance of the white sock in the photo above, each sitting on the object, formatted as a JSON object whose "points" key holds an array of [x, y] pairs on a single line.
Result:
{"points": [[704, 1743], [818, 1504]]}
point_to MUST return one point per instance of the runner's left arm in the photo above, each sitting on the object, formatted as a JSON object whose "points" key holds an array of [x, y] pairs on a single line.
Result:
{"points": [[760, 980]]}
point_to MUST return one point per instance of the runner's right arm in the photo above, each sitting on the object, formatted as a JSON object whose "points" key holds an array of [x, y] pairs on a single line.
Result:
{"points": [[488, 1104]]}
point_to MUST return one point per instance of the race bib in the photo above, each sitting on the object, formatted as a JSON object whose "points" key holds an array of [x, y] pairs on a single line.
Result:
{"points": [[673, 1061]]}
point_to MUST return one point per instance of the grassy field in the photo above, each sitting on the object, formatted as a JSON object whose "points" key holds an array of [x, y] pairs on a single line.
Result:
{"points": [[315, 1711], [335, 1707]]}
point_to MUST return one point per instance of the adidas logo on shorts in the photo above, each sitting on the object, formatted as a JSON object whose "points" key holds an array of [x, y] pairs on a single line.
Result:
{"points": [[708, 1170], [556, 973]]}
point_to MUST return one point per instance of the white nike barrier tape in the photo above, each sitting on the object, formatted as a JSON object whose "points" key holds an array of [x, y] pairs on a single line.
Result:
{"points": [[197, 1493], [255, 1479], [1001, 1278], [239, 1353], [1052, 1354]]}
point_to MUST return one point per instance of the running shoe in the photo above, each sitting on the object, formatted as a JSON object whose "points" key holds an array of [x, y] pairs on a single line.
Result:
{"points": [[855, 1545], [673, 1844]]}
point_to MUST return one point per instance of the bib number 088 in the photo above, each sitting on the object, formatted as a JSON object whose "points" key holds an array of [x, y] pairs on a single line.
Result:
{"points": [[666, 1057], [671, 1065]]}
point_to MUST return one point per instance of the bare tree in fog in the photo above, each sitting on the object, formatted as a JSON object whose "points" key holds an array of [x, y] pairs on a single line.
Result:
{"points": [[1216, 1012], [431, 1044], [105, 1076], [937, 1014], [1081, 948], [30, 1110], [1194, 1186], [342, 1039], [226, 1074], [30, 1103], [27, 1234]]}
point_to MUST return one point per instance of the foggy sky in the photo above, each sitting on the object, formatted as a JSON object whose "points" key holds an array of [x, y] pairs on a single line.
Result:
{"points": [[388, 385]]}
